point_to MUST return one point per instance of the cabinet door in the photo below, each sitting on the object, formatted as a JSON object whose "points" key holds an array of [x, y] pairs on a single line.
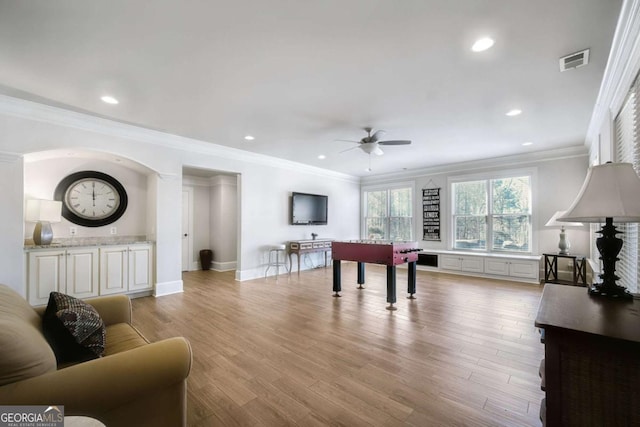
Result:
{"points": [[474, 264], [46, 274], [450, 262], [496, 266], [524, 269], [114, 275], [82, 272], [140, 271]]}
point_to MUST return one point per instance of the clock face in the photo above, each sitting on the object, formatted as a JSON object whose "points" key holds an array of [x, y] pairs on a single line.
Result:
{"points": [[91, 198]]}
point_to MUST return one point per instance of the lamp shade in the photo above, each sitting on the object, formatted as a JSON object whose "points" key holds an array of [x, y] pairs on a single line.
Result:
{"points": [[610, 190], [43, 210], [553, 221]]}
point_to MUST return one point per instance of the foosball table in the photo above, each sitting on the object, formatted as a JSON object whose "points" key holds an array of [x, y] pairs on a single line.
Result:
{"points": [[383, 252]]}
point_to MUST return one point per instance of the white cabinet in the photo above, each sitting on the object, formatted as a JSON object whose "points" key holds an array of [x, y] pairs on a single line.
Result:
{"points": [[140, 268], [82, 272], [471, 264], [125, 269], [523, 269], [70, 271], [46, 273], [114, 275], [85, 272]]}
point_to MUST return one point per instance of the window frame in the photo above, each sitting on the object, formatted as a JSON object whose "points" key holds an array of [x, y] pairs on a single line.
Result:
{"points": [[388, 188], [487, 177]]}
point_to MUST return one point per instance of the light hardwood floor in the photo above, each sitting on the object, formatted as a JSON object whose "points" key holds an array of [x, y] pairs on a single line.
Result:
{"points": [[276, 353]]}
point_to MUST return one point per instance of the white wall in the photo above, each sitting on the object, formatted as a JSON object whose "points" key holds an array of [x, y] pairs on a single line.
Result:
{"points": [[28, 127], [11, 222], [224, 221]]}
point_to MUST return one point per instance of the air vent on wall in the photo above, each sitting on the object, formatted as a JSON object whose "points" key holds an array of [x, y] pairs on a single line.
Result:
{"points": [[574, 60]]}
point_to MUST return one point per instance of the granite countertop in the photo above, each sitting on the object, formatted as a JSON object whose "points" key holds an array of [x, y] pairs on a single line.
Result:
{"points": [[88, 241]]}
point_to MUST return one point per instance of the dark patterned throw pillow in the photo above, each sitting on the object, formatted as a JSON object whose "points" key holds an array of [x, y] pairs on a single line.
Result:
{"points": [[73, 328]]}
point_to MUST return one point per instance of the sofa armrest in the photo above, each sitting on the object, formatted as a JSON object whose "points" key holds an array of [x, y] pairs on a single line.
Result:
{"points": [[112, 309], [103, 385]]}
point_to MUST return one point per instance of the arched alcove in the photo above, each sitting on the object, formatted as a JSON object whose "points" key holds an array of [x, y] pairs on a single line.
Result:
{"points": [[44, 170]]}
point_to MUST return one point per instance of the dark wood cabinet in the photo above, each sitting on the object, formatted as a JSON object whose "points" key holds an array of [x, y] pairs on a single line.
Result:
{"points": [[591, 369]]}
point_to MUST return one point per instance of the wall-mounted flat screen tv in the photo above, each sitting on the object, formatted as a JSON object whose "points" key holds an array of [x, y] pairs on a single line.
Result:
{"points": [[309, 209]]}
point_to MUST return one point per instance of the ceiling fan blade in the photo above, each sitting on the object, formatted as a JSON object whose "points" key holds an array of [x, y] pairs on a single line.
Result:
{"points": [[346, 140], [349, 149], [396, 142], [376, 135]]}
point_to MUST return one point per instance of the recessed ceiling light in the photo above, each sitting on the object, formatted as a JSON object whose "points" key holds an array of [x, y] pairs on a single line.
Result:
{"points": [[109, 99], [322, 157], [482, 44], [526, 144], [514, 112], [249, 138]]}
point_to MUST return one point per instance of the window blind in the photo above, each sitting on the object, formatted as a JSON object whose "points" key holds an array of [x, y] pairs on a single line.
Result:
{"points": [[627, 150]]}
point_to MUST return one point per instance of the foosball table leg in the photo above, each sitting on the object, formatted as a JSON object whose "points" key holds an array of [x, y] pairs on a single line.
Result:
{"points": [[390, 307], [360, 275], [337, 279], [411, 280]]}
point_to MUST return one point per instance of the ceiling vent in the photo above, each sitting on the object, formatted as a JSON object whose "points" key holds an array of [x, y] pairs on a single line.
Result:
{"points": [[574, 60]]}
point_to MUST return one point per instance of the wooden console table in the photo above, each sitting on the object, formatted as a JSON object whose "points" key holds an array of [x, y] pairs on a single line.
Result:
{"points": [[300, 247], [591, 369]]}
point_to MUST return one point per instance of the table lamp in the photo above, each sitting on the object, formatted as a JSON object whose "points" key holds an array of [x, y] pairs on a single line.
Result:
{"points": [[610, 192], [43, 213], [564, 244]]}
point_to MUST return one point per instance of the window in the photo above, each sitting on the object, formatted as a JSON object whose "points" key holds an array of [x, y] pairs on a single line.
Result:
{"points": [[492, 214], [628, 151], [388, 214]]}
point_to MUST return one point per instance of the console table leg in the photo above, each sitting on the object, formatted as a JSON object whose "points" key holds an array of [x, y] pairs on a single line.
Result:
{"points": [[411, 280], [391, 286], [360, 275], [337, 285]]}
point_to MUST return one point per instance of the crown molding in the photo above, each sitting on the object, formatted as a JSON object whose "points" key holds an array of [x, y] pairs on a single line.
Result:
{"points": [[30, 110], [479, 165], [9, 157], [622, 67]]}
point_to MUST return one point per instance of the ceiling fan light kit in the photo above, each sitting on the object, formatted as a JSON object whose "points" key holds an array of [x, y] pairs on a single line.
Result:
{"points": [[371, 143]]}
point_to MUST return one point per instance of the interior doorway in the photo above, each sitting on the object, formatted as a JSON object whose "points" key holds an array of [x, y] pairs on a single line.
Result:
{"points": [[214, 212]]}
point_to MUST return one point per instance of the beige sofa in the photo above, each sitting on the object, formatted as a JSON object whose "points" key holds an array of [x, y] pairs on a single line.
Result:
{"points": [[136, 383]]}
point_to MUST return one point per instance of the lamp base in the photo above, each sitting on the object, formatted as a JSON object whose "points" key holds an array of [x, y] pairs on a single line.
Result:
{"points": [[42, 233], [615, 291]]}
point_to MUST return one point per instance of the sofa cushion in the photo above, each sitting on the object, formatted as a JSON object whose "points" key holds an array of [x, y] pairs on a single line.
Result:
{"points": [[25, 352], [123, 337], [73, 328]]}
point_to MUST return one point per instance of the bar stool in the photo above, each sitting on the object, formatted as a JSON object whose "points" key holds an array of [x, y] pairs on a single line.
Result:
{"points": [[276, 250]]}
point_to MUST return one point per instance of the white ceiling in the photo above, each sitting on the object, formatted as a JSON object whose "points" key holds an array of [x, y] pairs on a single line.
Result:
{"points": [[298, 75]]}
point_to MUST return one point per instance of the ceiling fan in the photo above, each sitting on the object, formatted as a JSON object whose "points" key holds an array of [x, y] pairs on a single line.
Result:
{"points": [[371, 143]]}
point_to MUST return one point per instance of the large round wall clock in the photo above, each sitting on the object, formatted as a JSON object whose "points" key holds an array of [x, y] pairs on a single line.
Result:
{"points": [[91, 198]]}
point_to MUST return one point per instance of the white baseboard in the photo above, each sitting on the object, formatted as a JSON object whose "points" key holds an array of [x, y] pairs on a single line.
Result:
{"points": [[218, 266], [224, 266], [168, 288]]}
